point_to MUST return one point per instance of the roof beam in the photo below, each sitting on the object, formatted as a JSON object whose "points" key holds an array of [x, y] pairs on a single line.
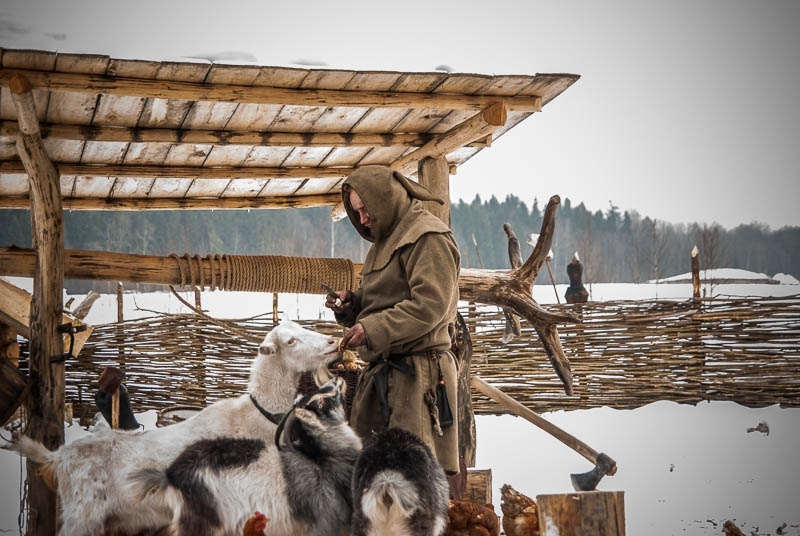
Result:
{"points": [[476, 127], [186, 172], [182, 203], [170, 89], [221, 137]]}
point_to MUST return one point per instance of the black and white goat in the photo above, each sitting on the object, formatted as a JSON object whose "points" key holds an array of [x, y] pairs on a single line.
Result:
{"points": [[301, 481], [399, 488], [93, 473]]}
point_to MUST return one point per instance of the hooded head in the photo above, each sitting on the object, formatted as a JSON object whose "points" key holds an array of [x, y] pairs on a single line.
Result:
{"points": [[386, 195]]}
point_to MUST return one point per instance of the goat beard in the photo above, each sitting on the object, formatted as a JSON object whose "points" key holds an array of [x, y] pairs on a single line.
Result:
{"points": [[321, 376]]}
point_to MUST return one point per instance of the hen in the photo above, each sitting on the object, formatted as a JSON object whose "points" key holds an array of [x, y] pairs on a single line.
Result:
{"points": [[469, 519], [520, 514], [255, 525]]}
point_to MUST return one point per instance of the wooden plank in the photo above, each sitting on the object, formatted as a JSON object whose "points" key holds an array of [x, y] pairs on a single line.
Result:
{"points": [[93, 186], [212, 187]]}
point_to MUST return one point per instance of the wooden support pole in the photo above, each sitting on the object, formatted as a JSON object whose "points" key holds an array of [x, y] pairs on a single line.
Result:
{"points": [[46, 407], [599, 513], [434, 174]]}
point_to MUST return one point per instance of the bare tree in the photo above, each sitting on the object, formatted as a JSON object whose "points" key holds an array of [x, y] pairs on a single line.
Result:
{"points": [[659, 245]]}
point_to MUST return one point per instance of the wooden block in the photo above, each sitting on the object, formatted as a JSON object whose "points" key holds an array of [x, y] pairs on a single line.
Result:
{"points": [[600, 513], [479, 486]]}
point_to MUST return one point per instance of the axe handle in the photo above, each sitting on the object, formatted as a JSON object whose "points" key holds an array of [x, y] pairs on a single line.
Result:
{"points": [[521, 411]]}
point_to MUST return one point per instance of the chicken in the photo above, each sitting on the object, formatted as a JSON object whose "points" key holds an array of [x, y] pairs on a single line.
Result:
{"points": [[255, 525], [520, 514], [730, 529], [469, 519]]}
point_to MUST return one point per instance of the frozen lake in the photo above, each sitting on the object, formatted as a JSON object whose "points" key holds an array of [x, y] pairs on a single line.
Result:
{"points": [[684, 469]]}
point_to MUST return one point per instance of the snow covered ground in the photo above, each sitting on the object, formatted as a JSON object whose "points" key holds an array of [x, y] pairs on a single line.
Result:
{"points": [[684, 469]]}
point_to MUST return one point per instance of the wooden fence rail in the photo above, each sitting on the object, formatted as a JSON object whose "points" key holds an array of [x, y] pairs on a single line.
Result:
{"points": [[624, 354]]}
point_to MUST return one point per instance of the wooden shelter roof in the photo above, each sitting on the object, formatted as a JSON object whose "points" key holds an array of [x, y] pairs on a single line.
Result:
{"points": [[131, 134]]}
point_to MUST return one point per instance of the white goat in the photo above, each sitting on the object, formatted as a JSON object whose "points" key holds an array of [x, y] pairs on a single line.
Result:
{"points": [[93, 472]]}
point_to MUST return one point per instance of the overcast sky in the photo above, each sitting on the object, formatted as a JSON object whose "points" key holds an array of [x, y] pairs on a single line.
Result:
{"points": [[685, 111]]}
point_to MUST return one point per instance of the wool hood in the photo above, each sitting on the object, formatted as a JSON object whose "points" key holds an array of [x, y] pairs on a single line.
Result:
{"points": [[393, 203]]}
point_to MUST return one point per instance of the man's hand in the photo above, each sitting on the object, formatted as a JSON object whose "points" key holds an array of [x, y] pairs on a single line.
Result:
{"points": [[354, 337], [337, 301]]}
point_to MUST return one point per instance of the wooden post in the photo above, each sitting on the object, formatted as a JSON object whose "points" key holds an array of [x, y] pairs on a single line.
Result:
{"points": [[46, 421], [197, 304], [599, 513], [120, 308], [434, 174], [695, 274]]}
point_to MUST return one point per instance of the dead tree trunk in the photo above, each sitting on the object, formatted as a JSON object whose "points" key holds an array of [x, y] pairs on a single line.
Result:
{"points": [[512, 290]]}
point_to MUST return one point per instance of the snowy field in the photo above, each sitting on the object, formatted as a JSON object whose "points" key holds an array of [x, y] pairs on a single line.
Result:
{"points": [[684, 469]]}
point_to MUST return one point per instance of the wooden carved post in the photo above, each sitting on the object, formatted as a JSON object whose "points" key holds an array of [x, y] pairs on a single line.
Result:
{"points": [[46, 405], [695, 274]]}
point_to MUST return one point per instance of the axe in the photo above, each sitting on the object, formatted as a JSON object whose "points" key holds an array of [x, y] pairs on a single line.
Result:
{"points": [[603, 464]]}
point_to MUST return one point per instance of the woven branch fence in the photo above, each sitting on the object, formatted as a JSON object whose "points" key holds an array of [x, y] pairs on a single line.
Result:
{"points": [[624, 354]]}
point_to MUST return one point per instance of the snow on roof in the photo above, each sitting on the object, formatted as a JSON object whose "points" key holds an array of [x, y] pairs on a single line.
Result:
{"points": [[728, 275]]}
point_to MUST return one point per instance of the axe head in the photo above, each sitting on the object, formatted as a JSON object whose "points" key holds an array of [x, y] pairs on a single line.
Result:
{"points": [[604, 465]]}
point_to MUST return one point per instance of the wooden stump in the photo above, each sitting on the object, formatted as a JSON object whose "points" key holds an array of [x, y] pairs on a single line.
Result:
{"points": [[600, 513], [479, 486]]}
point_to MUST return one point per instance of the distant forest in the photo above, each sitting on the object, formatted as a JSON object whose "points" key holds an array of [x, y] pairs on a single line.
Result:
{"points": [[614, 246]]}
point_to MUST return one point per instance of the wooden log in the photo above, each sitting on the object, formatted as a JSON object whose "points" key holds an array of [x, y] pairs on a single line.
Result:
{"points": [[599, 513], [46, 403], [434, 174], [226, 203], [479, 486], [476, 127], [223, 137], [111, 266], [172, 89], [9, 347]]}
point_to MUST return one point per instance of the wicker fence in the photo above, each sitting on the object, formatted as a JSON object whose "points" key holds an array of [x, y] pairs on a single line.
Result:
{"points": [[624, 354]]}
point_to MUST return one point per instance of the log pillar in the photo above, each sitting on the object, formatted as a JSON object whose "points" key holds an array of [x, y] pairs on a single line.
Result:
{"points": [[434, 174], [46, 403], [599, 513]]}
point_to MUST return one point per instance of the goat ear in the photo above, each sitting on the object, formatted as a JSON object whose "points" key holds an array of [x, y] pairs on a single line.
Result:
{"points": [[267, 349]]}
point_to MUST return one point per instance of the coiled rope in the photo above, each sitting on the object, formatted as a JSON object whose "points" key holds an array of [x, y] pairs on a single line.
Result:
{"points": [[264, 273]]}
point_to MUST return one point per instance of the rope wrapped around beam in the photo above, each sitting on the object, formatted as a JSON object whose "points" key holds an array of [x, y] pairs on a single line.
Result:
{"points": [[264, 273]]}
